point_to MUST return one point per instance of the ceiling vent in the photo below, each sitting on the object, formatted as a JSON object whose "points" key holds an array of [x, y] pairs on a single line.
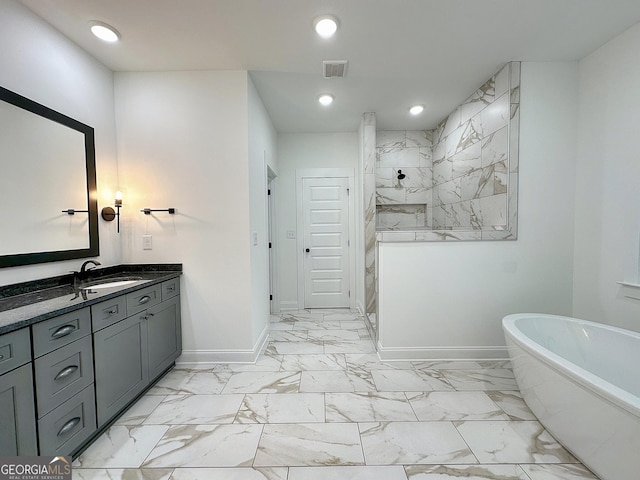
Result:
{"points": [[334, 68]]}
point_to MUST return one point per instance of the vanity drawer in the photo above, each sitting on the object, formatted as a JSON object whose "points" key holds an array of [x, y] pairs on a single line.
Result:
{"points": [[60, 331], [142, 299], [170, 288], [107, 313], [62, 374], [15, 349], [64, 429]]}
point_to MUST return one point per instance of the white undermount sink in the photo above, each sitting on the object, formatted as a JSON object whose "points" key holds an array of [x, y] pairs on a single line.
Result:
{"points": [[120, 283], [110, 283]]}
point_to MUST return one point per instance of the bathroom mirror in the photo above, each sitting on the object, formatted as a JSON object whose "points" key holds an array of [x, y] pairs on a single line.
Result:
{"points": [[48, 169]]}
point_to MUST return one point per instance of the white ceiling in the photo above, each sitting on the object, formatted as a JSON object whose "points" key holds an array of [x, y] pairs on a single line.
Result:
{"points": [[400, 52]]}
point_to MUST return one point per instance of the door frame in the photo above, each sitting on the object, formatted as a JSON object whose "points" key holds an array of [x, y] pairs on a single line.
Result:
{"points": [[272, 228], [349, 174]]}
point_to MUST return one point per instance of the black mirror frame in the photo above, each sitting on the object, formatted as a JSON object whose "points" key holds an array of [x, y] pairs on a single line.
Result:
{"points": [[92, 202]]}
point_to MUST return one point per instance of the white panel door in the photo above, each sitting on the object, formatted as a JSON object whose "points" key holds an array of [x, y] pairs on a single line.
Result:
{"points": [[326, 242]]}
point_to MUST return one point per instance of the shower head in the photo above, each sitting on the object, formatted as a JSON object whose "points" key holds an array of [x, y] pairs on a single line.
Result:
{"points": [[401, 175]]}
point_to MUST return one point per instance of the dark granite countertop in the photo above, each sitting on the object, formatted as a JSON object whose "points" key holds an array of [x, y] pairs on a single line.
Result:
{"points": [[26, 303]]}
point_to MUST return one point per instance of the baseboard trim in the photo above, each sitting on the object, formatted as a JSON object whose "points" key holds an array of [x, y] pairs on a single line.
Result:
{"points": [[203, 358], [442, 353], [261, 344]]}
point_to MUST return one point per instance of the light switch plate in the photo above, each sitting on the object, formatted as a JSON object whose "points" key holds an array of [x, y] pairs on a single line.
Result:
{"points": [[147, 242], [291, 234]]}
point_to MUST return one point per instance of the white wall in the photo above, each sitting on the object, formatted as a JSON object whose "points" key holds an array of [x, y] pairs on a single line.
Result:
{"points": [[607, 222], [295, 151], [446, 300], [183, 143], [262, 153], [40, 63]]}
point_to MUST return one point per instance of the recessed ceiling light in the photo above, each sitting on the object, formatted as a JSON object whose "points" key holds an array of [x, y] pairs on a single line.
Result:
{"points": [[325, 25], [416, 109], [325, 99], [105, 32]]}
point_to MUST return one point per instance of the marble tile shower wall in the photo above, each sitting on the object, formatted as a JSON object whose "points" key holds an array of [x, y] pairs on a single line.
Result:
{"points": [[402, 203], [369, 173], [461, 178], [471, 160]]}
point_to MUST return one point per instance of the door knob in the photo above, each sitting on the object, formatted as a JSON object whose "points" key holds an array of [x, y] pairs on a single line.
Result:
{"points": [[306, 250]]}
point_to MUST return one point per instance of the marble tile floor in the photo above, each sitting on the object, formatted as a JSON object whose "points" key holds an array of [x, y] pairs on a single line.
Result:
{"points": [[320, 405]]}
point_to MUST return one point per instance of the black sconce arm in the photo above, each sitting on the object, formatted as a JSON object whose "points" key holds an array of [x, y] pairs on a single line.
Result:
{"points": [[147, 211], [73, 211]]}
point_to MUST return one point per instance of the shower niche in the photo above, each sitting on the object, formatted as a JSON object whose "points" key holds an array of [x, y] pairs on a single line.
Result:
{"points": [[402, 217]]}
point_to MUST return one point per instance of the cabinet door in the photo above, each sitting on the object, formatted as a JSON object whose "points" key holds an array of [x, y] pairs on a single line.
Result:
{"points": [[121, 365], [164, 336], [17, 417]]}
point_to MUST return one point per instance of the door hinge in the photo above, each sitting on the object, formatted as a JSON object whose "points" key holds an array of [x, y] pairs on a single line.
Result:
{"points": [[268, 191], [270, 298], [347, 191], [349, 293], [269, 244]]}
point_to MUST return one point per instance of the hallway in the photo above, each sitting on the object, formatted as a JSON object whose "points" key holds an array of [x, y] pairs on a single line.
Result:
{"points": [[319, 404]]}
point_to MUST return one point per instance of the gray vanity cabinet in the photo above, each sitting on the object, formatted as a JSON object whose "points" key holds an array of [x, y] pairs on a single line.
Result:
{"points": [[164, 335], [17, 410], [65, 378], [131, 353], [121, 364]]}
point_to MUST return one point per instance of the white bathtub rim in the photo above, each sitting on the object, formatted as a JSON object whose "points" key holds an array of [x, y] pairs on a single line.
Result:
{"points": [[599, 386]]}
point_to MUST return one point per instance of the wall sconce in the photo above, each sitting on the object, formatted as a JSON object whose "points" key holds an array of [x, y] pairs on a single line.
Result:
{"points": [[108, 213]]}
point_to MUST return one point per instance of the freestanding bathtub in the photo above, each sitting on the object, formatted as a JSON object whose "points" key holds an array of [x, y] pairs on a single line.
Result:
{"points": [[582, 380]]}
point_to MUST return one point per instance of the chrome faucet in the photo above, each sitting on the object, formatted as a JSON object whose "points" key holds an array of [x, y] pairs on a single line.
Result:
{"points": [[84, 268]]}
